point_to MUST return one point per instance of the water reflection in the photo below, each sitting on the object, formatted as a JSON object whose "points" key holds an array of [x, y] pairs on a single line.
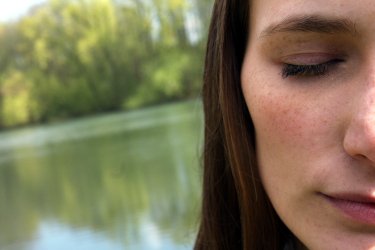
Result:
{"points": [[112, 182]]}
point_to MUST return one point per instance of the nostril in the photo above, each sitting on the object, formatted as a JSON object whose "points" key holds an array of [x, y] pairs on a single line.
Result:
{"points": [[360, 157], [359, 140]]}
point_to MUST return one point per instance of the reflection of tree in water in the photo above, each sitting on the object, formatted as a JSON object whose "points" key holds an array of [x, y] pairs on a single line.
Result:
{"points": [[110, 184], [17, 221]]}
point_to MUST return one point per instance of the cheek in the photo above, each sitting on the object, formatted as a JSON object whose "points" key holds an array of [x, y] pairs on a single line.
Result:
{"points": [[295, 131], [282, 118]]}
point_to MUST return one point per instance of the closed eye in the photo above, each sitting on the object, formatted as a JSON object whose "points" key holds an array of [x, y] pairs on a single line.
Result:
{"points": [[309, 70]]}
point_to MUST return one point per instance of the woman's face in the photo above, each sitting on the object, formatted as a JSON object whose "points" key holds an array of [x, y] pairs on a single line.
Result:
{"points": [[308, 79]]}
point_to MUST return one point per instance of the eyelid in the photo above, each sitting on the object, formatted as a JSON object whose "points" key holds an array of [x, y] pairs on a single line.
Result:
{"points": [[310, 58], [309, 70]]}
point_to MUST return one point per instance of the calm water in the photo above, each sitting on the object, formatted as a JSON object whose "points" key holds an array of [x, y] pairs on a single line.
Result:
{"points": [[118, 181]]}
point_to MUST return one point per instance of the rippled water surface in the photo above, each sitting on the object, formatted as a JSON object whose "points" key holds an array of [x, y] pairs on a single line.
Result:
{"points": [[119, 181]]}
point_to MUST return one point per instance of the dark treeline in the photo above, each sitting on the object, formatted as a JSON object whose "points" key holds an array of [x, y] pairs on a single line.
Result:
{"points": [[70, 58]]}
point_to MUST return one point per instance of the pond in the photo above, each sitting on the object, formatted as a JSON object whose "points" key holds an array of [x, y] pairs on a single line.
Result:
{"points": [[116, 181]]}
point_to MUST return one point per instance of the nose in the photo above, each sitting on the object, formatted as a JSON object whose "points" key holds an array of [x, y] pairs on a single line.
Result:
{"points": [[359, 139]]}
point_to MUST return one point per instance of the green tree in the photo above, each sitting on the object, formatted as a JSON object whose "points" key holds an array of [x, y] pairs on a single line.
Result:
{"points": [[79, 57]]}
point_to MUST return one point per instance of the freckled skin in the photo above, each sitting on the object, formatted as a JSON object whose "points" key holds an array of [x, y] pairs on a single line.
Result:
{"points": [[314, 135]]}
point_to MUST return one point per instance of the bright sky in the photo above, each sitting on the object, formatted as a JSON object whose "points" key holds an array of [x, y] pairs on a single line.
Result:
{"points": [[13, 9]]}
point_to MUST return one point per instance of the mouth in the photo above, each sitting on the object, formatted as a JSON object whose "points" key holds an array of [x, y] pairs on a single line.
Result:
{"points": [[360, 208]]}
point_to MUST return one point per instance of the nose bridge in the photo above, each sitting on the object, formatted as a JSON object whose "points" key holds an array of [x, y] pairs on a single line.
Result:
{"points": [[363, 89], [360, 135], [366, 109], [364, 113]]}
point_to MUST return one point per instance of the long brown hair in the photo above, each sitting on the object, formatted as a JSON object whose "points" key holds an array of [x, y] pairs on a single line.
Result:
{"points": [[236, 213]]}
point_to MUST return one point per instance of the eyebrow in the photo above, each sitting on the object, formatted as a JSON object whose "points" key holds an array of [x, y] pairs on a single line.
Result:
{"points": [[316, 24]]}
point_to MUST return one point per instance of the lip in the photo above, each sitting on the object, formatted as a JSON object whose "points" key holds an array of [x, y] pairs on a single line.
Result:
{"points": [[358, 207]]}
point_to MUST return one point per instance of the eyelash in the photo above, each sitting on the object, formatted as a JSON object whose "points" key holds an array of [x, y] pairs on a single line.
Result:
{"points": [[308, 70]]}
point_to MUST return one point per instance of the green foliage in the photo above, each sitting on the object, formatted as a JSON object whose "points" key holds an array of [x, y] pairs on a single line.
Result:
{"points": [[16, 96], [72, 58]]}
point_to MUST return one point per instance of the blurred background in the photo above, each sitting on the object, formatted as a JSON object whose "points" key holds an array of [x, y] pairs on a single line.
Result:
{"points": [[101, 123]]}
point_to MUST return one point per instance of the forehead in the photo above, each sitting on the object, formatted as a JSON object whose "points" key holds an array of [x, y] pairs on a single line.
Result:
{"points": [[265, 13]]}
